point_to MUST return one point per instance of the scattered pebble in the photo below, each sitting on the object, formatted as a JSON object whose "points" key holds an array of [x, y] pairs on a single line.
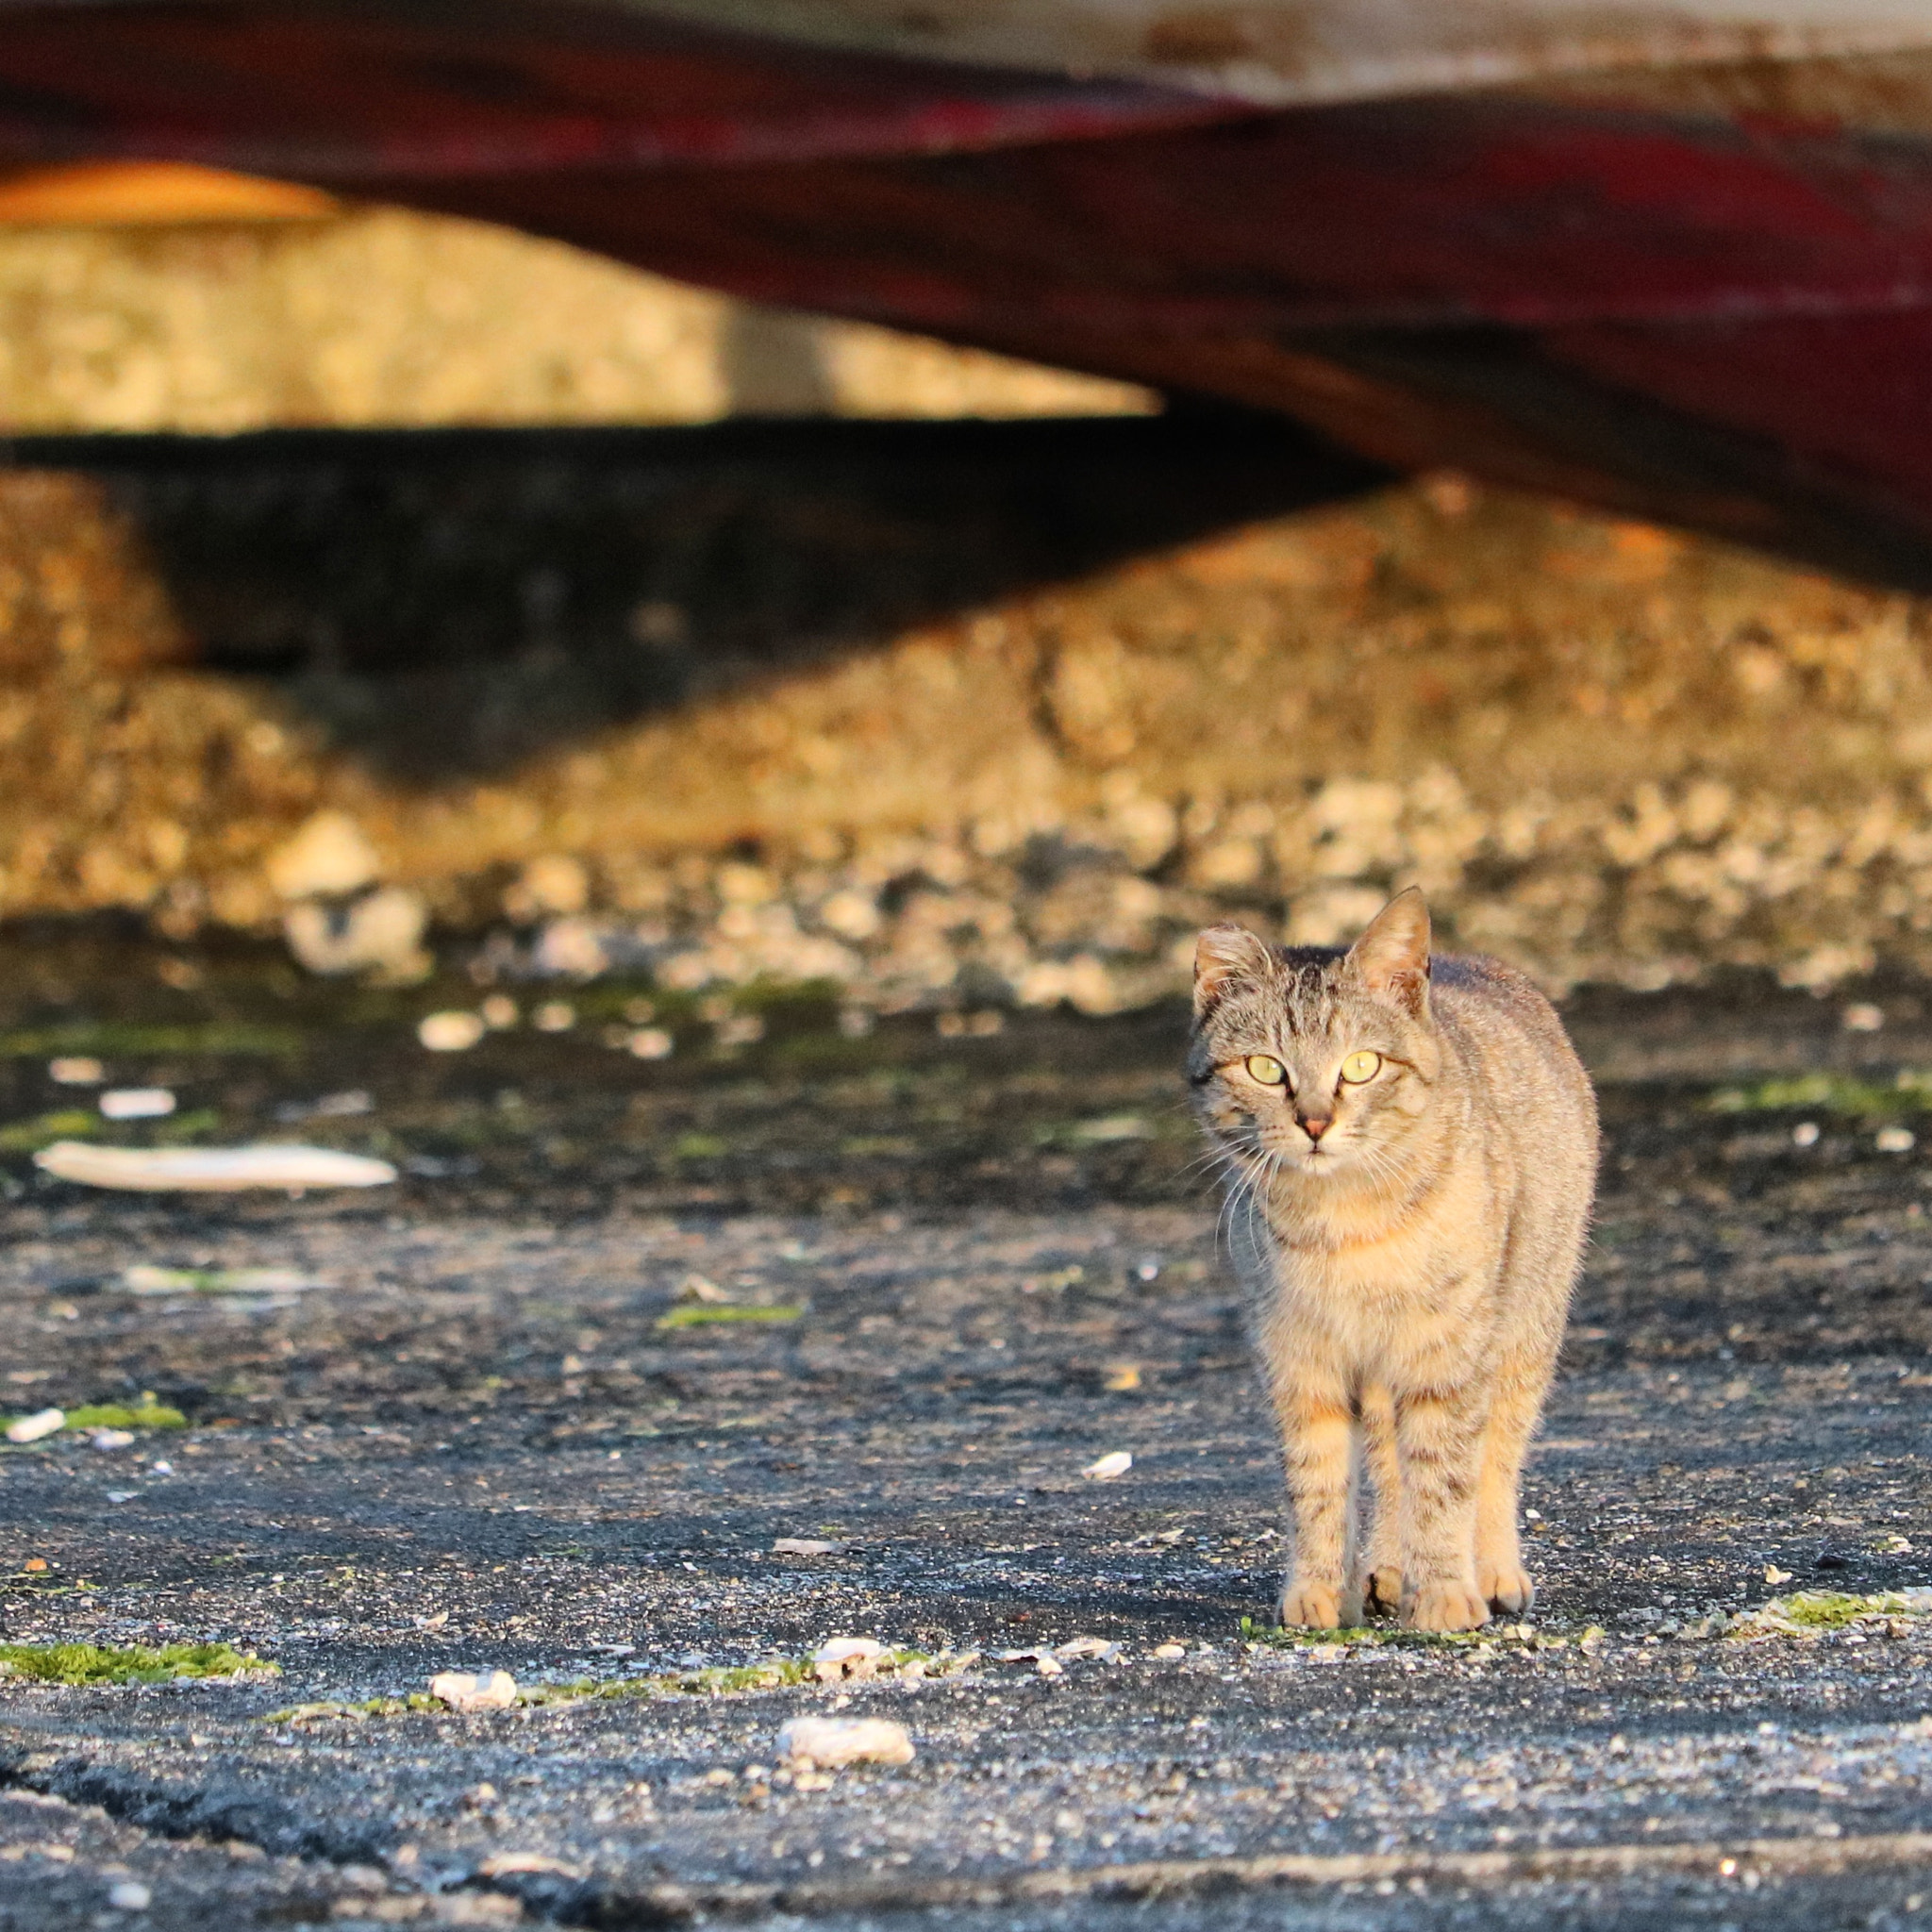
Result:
{"points": [[450, 1032], [473, 1690], [499, 1012], [1109, 1468], [1169, 1650], [1861, 1016], [31, 1428], [1895, 1141], [144, 1278], [1121, 1379], [136, 1103], [700, 1288], [809, 1547], [111, 1439], [827, 1742], [554, 1016], [1773, 1574], [77, 1070], [650, 1043], [1805, 1134], [130, 1895]]}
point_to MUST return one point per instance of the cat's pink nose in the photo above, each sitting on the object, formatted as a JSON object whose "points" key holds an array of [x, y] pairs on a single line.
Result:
{"points": [[1315, 1126]]}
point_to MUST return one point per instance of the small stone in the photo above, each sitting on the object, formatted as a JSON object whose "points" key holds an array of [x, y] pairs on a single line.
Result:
{"points": [[1169, 1650], [450, 1032], [827, 1742], [1862, 1016], [1087, 1646], [1773, 1575], [809, 1547], [554, 1016], [130, 1895], [499, 1012], [474, 1690], [31, 1428], [650, 1043], [1805, 1134], [1109, 1468], [111, 1439], [1121, 1377], [327, 856], [1895, 1141], [76, 1070]]}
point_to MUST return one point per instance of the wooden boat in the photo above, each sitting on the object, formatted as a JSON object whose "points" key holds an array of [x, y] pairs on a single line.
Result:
{"points": [[1676, 257]]}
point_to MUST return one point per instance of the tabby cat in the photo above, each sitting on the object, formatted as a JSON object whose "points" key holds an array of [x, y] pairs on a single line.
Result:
{"points": [[1411, 1145]]}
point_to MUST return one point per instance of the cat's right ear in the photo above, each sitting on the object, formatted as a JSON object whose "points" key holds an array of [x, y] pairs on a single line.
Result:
{"points": [[1223, 955]]}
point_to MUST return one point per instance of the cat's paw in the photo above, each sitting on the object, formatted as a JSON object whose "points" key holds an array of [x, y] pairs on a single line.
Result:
{"points": [[1508, 1586], [1315, 1606], [1446, 1607], [1384, 1590]]}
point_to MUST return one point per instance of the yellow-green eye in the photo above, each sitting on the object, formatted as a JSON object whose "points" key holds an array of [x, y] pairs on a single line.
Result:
{"points": [[1266, 1068], [1358, 1067]]}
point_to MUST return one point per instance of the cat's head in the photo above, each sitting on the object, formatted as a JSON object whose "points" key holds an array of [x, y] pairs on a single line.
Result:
{"points": [[1316, 1060]]}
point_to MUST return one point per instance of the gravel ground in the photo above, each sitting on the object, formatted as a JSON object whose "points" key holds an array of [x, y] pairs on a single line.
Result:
{"points": [[476, 1446]]}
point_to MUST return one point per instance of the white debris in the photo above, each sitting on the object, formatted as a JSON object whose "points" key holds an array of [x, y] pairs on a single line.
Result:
{"points": [[1169, 1650], [554, 1016], [827, 1742], [77, 1070], [1895, 1141], [112, 1438], [499, 1012], [130, 1895], [1805, 1134], [146, 1279], [136, 1104], [809, 1547], [846, 1657], [210, 1169], [380, 932], [450, 1032], [1108, 1467], [31, 1428], [474, 1690], [1861, 1016], [328, 856], [1087, 1646], [699, 1288], [650, 1043]]}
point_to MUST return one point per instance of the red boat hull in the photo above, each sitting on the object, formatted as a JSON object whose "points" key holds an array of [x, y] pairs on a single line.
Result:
{"points": [[1722, 319]]}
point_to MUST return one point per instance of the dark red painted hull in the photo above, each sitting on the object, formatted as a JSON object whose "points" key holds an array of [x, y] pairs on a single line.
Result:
{"points": [[1725, 319]]}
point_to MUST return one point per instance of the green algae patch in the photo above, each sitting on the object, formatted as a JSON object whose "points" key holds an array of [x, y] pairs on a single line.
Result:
{"points": [[117, 1415], [1910, 1091], [1818, 1613], [716, 1314], [1379, 1636], [97, 1664], [123, 1040]]}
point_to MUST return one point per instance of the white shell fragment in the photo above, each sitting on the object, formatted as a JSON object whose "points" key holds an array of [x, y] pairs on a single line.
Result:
{"points": [[209, 1170], [1108, 1467], [136, 1104], [31, 1428], [827, 1743], [452, 1032], [474, 1690], [146, 1279]]}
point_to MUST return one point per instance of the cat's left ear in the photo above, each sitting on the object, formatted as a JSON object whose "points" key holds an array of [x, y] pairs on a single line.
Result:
{"points": [[1393, 955]]}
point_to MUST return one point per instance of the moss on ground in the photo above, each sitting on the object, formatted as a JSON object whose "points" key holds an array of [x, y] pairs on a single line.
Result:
{"points": [[1838, 1093], [702, 1315], [96, 1663]]}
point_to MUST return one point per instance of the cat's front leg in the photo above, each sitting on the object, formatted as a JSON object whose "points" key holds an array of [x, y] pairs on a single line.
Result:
{"points": [[1437, 1444], [1318, 1448]]}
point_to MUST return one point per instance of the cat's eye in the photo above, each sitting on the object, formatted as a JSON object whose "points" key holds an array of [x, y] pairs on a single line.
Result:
{"points": [[1358, 1067], [1266, 1068]]}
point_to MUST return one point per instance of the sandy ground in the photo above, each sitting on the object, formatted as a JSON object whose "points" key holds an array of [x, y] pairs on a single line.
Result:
{"points": [[476, 1447]]}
